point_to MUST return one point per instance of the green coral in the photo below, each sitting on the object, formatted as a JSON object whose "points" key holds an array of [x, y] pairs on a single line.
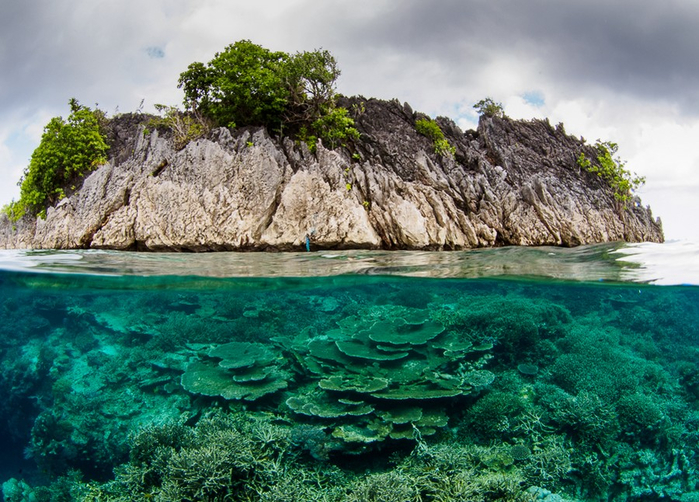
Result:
{"points": [[495, 413], [609, 415], [222, 455], [235, 370], [253, 459], [641, 417], [395, 358], [386, 487], [587, 418]]}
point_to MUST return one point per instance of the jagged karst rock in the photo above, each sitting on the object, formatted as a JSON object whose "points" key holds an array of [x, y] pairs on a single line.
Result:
{"points": [[510, 182]]}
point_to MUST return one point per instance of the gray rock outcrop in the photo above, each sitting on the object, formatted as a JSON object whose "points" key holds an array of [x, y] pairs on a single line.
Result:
{"points": [[509, 183]]}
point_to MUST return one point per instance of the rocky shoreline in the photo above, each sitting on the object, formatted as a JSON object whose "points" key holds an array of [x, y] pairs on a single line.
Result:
{"points": [[508, 183]]}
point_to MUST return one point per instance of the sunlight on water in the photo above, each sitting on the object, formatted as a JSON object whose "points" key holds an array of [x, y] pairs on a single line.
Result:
{"points": [[675, 262]]}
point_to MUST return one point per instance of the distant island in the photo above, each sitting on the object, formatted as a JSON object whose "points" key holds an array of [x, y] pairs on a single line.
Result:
{"points": [[271, 158]]}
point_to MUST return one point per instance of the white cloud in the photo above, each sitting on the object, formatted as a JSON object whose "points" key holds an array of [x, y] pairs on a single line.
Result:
{"points": [[656, 142], [11, 169], [519, 108], [635, 83]]}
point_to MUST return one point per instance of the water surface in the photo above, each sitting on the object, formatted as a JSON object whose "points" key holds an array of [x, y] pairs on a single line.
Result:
{"points": [[480, 375]]}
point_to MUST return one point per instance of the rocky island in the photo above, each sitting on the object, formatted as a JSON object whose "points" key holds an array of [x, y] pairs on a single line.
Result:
{"points": [[389, 186]]}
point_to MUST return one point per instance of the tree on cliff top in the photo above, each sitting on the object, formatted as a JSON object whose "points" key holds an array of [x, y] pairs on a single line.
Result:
{"points": [[241, 86], [247, 84], [489, 108], [68, 150]]}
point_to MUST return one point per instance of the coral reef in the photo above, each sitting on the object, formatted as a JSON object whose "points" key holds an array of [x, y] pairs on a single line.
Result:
{"points": [[337, 390]]}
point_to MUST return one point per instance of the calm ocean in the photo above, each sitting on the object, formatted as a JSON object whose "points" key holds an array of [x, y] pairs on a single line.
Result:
{"points": [[499, 374]]}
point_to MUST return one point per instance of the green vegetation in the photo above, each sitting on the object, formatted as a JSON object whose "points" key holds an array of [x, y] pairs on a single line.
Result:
{"points": [[186, 126], [69, 149], [245, 85], [611, 169], [489, 108], [335, 126], [431, 129], [248, 85]]}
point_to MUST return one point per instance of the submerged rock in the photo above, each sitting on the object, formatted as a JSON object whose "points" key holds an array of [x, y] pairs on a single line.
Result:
{"points": [[508, 183]]}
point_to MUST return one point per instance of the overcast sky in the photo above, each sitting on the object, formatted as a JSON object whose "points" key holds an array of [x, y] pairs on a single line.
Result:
{"points": [[626, 71]]}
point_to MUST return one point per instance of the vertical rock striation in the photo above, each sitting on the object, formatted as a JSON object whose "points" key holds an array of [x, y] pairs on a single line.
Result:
{"points": [[509, 183]]}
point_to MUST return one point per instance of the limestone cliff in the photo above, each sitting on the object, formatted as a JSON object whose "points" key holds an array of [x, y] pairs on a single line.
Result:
{"points": [[510, 182]]}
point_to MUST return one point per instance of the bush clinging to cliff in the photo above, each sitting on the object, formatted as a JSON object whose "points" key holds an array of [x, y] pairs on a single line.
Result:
{"points": [[431, 129], [612, 170], [69, 149]]}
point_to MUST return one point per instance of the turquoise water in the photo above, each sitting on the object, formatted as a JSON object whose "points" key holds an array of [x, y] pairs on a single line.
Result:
{"points": [[506, 374]]}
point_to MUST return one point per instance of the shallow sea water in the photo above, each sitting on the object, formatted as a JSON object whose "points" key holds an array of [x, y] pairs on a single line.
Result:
{"points": [[501, 374]]}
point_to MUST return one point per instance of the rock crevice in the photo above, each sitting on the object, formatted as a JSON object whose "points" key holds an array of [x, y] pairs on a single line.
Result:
{"points": [[509, 183]]}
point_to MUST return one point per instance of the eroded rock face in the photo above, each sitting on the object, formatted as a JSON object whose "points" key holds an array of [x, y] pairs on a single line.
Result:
{"points": [[510, 182]]}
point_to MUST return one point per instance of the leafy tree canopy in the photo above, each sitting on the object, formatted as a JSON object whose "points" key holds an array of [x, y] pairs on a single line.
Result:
{"points": [[243, 85], [310, 78], [68, 150], [247, 84]]}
